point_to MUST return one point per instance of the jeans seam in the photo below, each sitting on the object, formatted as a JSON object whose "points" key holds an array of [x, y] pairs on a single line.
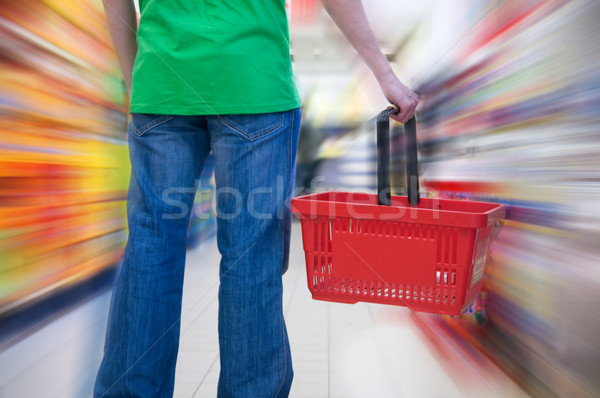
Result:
{"points": [[157, 122], [289, 173], [244, 134], [285, 354]]}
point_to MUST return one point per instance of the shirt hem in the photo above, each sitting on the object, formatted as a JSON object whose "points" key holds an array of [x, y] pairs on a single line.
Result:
{"points": [[213, 109]]}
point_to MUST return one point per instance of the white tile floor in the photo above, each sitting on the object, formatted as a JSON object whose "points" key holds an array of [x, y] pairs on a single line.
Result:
{"points": [[339, 350]]}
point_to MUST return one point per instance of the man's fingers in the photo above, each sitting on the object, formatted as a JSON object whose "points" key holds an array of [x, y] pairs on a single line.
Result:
{"points": [[406, 104], [411, 113], [405, 114], [399, 116], [395, 118]]}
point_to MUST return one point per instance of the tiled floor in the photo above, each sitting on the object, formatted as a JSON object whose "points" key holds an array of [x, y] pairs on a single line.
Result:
{"points": [[339, 350]]}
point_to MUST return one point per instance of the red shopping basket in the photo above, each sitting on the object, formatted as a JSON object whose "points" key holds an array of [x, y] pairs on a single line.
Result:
{"points": [[423, 253]]}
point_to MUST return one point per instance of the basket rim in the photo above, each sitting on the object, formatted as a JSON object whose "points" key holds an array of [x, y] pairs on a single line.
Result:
{"points": [[364, 206]]}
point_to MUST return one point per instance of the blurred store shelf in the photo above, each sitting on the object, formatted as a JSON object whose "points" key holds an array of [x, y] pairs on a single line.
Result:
{"points": [[63, 154], [510, 113], [64, 167]]}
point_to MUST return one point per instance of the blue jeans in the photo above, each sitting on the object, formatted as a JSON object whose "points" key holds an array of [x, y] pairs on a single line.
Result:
{"points": [[254, 171]]}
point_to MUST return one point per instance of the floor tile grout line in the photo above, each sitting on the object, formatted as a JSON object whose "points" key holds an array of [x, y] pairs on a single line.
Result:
{"points": [[52, 352], [205, 375], [202, 312], [375, 340], [68, 387]]}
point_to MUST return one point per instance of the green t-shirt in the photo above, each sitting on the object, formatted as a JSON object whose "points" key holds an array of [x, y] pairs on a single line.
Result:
{"points": [[202, 57]]}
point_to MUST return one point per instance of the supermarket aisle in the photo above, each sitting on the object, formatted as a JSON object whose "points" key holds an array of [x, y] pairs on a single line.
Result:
{"points": [[339, 350]]}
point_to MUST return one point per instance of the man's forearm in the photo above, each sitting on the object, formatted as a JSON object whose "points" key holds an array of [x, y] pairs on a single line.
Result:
{"points": [[350, 18], [122, 24]]}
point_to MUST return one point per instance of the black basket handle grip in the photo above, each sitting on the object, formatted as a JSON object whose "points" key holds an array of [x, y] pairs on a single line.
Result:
{"points": [[383, 159]]}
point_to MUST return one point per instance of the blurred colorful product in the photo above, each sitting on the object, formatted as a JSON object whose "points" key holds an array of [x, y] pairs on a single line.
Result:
{"points": [[64, 166], [510, 115], [63, 156]]}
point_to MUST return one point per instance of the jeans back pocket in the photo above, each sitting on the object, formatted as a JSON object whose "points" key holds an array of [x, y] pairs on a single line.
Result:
{"points": [[143, 122], [253, 126]]}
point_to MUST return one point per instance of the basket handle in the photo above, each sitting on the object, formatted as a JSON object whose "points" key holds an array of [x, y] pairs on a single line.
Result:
{"points": [[383, 159]]}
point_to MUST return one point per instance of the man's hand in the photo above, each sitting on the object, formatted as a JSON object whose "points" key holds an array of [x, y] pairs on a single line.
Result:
{"points": [[401, 96], [350, 17]]}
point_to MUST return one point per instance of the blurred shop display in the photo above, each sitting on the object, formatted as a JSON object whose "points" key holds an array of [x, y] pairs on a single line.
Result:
{"points": [[63, 149], [64, 167], [308, 158], [202, 223], [510, 114]]}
